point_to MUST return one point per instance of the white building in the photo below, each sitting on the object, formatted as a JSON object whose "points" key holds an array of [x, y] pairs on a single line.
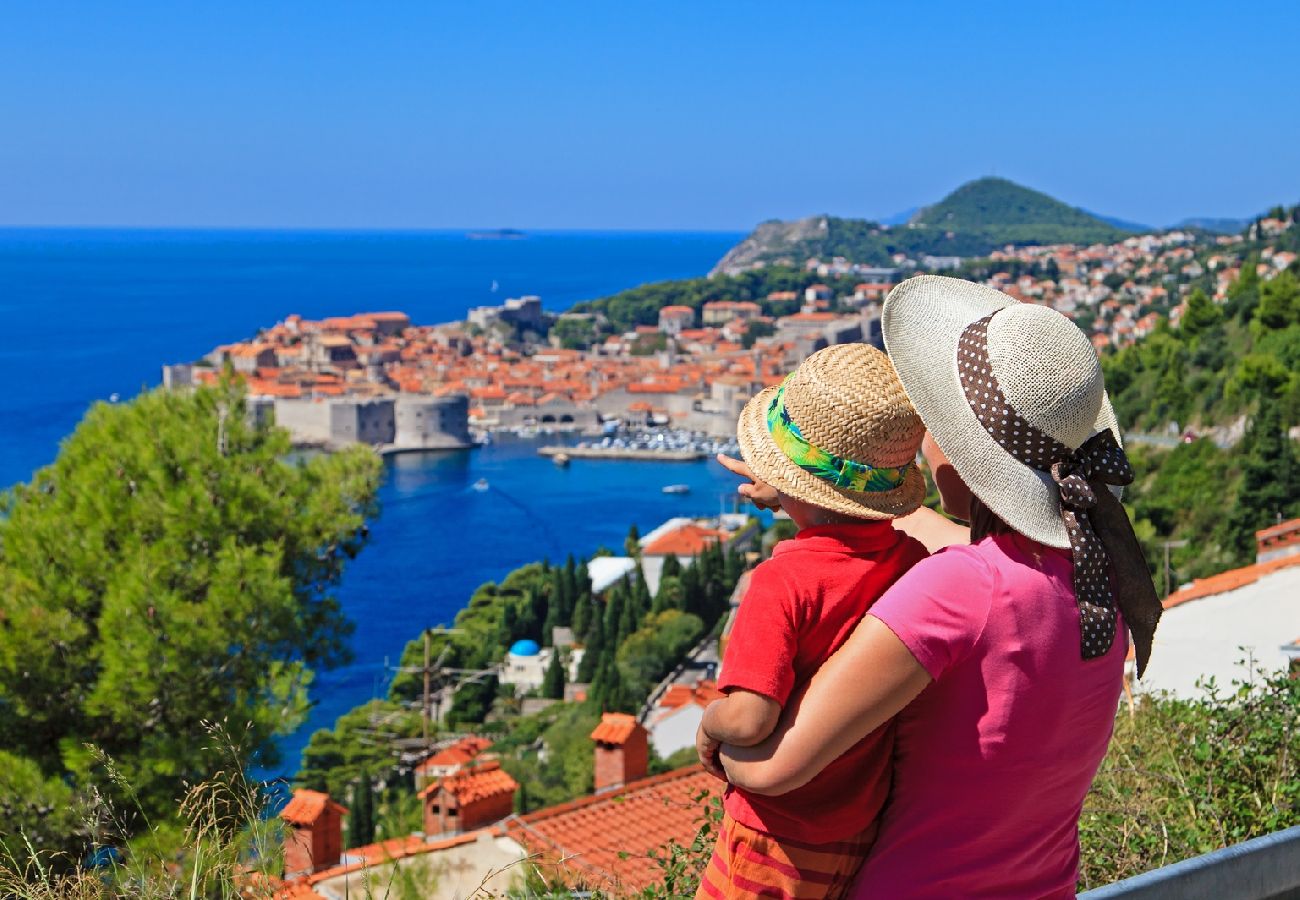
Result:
{"points": [[1250, 614]]}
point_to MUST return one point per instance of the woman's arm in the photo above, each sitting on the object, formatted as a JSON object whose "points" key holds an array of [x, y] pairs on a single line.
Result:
{"points": [[863, 685]]}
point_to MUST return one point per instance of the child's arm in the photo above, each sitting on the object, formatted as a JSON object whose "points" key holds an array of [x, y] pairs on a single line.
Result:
{"points": [[741, 718]]}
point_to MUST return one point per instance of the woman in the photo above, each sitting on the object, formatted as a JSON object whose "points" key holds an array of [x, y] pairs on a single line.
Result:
{"points": [[1003, 660]]}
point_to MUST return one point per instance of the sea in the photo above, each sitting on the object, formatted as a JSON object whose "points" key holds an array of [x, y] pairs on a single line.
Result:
{"points": [[89, 315]]}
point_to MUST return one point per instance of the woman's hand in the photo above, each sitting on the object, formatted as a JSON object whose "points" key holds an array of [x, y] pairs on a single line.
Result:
{"points": [[861, 687], [759, 493]]}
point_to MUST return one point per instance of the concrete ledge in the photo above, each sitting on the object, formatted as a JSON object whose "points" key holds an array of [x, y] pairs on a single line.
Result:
{"points": [[1266, 868]]}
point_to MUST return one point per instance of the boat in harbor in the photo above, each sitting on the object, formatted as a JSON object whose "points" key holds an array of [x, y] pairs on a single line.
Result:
{"points": [[481, 484], [560, 459], [677, 489]]}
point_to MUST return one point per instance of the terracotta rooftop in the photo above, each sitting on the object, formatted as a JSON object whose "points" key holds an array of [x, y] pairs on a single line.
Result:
{"points": [[701, 694], [487, 779], [608, 839], [1278, 530], [614, 728], [457, 754], [307, 806], [1229, 581], [689, 540]]}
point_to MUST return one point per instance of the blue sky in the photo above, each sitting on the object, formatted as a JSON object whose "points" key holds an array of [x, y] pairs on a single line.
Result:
{"points": [[706, 115]]}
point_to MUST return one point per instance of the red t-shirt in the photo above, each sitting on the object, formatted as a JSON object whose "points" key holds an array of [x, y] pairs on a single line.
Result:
{"points": [[801, 605]]}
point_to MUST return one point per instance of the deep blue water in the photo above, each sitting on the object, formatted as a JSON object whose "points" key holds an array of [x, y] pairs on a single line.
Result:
{"points": [[89, 313]]}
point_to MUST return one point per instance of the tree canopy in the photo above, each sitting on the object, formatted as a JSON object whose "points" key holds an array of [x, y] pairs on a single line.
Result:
{"points": [[173, 567]]}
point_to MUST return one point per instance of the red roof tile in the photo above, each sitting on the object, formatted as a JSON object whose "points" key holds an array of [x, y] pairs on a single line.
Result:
{"points": [[457, 754], [1230, 580], [615, 728], [689, 540], [307, 806], [487, 779], [609, 837]]}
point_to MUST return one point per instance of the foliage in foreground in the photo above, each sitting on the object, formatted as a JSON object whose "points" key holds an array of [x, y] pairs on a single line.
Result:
{"points": [[1183, 777], [174, 566], [1186, 777]]}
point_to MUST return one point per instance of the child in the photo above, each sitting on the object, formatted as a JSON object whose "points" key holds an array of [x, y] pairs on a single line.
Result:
{"points": [[838, 441]]}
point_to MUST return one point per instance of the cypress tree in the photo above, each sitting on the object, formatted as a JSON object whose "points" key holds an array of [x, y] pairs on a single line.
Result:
{"points": [[553, 680], [591, 653], [582, 617], [361, 815], [672, 567], [615, 600], [1270, 478]]}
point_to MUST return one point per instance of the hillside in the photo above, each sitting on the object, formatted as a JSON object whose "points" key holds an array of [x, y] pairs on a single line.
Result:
{"points": [[971, 221], [1008, 212]]}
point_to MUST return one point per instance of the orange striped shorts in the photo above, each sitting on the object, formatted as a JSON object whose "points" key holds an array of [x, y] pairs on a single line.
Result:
{"points": [[749, 863]]}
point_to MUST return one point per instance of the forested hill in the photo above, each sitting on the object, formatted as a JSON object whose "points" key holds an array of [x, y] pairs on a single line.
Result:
{"points": [[1006, 212], [1223, 363], [973, 220]]}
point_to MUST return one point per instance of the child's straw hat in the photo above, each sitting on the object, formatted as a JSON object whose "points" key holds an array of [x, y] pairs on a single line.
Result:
{"points": [[839, 433]]}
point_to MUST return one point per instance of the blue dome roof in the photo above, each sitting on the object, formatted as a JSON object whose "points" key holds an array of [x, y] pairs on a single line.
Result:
{"points": [[525, 648]]}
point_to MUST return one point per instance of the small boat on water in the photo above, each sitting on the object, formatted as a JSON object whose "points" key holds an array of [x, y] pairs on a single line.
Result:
{"points": [[677, 489], [481, 484], [560, 459]]}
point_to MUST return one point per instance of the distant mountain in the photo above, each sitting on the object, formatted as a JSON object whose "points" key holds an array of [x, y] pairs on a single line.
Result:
{"points": [[901, 218], [1009, 213], [973, 220], [1122, 224], [1215, 226]]}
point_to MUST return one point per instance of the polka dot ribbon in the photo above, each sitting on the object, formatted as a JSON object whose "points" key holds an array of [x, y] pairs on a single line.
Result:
{"points": [[1080, 475]]}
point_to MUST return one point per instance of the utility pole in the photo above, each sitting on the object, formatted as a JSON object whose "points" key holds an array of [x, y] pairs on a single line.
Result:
{"points": [[1167, 545], [424, 708]]}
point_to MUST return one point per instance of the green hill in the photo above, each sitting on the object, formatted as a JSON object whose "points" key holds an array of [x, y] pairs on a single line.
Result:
{"points": [[973, 220], [1009, 213]]}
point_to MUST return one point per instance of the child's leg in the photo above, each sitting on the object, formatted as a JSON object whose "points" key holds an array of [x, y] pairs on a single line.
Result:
{"points": [[749, 863]]}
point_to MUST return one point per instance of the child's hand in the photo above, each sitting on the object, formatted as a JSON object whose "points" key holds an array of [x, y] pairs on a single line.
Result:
{"points": [[757, 492], [707, 749]]}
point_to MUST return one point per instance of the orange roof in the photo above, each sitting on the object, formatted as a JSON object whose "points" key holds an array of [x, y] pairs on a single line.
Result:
{"points": [[487, 779], [1278, 530], [689, 540], [457, 754], [677, 311], [701, 694], [615, 728], [307, 806], [610, 837], [1230, 580]]}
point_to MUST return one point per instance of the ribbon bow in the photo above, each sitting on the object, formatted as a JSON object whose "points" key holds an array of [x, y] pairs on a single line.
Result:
{"points": [[1099, 459], [1101, 537]]}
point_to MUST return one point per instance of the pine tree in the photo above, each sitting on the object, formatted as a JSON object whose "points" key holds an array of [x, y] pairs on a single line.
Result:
{"points": [[553, 680], [632, 543], [186, 564]]}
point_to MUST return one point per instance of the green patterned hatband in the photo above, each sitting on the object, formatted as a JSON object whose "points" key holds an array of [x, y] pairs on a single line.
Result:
{"points": [[843, 473]]}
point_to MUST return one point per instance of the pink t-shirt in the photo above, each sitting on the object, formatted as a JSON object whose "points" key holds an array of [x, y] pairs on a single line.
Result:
{"points": [[993, 759]]}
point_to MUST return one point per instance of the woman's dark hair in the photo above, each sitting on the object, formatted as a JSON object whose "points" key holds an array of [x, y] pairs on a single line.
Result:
{"points": [[984, 521]]}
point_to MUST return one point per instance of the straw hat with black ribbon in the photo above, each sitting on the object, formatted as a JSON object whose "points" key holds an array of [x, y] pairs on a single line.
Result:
{"points": [[1013, 395], [839, 433]]}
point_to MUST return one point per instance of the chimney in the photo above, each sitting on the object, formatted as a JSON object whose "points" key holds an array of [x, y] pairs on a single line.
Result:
{"points": [[478, 794], [1282, 539], [313, 837], [622, 751]]}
